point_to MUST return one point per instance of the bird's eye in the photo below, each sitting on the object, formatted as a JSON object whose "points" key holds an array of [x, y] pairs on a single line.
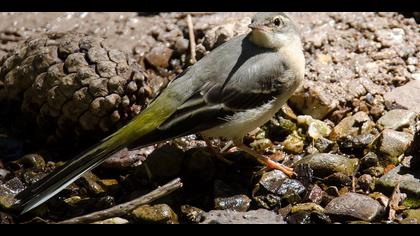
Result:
{"points": [[277, 22]]}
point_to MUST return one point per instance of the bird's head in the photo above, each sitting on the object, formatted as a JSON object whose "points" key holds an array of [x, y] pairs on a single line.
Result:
{"points": [[273, 30]]}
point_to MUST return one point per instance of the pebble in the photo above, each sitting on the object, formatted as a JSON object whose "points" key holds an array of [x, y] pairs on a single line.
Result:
{"points": [[157, 214], [358, 124], [354, 206], [397, 119], [159, 56], [324, 164], [405, 96], [260, 216]]}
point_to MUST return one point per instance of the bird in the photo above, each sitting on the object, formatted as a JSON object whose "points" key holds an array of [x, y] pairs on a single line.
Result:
{"points": [[231, 91]]}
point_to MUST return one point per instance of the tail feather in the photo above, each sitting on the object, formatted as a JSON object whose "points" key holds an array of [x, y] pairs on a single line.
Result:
{"points": [[63, 176]]}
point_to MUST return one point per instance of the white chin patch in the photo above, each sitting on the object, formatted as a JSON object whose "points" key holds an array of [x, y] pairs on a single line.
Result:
{"points": [[268, 39]]}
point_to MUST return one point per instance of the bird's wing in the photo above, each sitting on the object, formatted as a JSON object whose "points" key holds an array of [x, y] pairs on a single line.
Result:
{"points": [[217, 99]]}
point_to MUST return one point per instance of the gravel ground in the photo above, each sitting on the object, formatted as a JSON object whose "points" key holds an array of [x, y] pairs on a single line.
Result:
{"points": [[351, 131]]}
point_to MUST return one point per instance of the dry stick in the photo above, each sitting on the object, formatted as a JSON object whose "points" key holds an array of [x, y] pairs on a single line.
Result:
{"points": [[192, 39], [122, 209]]}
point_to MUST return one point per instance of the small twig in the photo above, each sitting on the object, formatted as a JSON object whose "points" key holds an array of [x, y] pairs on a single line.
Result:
{"points": [[192, 39], [122, 209]]}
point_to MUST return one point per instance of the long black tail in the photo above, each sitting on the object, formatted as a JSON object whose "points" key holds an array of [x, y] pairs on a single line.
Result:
{"points": [[63, 176]]}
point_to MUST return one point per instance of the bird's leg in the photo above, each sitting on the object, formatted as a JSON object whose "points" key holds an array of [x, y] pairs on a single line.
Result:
{"points": [[216, 153], [263, 159]]}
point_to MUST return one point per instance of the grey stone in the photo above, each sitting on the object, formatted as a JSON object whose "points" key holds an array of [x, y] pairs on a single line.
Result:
{"points": [[392, 144], [409, 183], [354, 206], [260, 216], [406, 96], [324, 164], [397, 119]]}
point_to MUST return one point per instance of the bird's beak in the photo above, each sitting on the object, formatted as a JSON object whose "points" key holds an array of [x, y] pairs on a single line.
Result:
{"points": [[258, 27]]}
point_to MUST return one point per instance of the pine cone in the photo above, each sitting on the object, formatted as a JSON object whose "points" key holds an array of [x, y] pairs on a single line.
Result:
{"points": [[72, 84]]}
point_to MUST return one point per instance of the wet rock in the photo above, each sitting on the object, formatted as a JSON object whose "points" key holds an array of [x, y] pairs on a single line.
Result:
{"points": [[8, 190], [409, 182], [397, 119], [112, 221], [236, 203], [159, 56], [358, 124], [192, 214], [412, 214], [260, 216], [354, 206], [278, 183], [308, 217], [156, 214], [405, 96], [392, 144], [324, 164]]}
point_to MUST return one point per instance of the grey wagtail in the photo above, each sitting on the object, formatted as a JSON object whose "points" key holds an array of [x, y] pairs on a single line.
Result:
{"points": [[231, 91]]}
